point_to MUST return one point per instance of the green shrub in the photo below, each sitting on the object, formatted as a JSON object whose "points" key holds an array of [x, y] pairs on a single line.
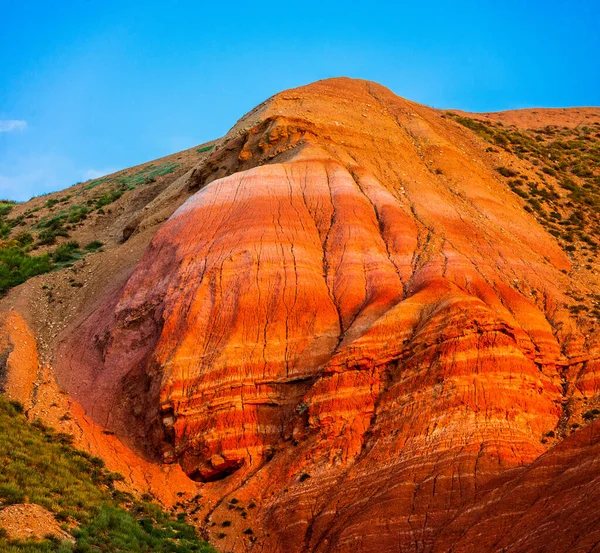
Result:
{"points": [[77, 213], [16, 267], [506, 172], [108, 198], [51, 202], [24, 239], [93, 246], [40, 467], [6, 206], [65, 252], [51, 228]]}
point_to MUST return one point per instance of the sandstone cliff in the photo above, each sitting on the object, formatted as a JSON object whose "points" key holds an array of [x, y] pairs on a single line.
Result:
{"points": [[350, 333]]}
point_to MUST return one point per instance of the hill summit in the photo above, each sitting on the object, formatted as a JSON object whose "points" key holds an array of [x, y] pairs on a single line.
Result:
{"points": [[354, 323]]}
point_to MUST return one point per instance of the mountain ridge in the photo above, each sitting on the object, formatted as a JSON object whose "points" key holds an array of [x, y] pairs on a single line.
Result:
{"points": [[351, 285]]}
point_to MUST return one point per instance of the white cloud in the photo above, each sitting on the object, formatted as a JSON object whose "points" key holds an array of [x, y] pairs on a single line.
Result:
{"points": [[9, 125], [97, 173]]}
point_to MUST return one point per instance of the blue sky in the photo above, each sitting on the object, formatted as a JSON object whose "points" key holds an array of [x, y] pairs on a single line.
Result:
{"points": [[88, 87]]}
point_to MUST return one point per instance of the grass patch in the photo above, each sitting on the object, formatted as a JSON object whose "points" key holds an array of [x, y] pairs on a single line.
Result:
{"points": [[95, 183], [570, 156], [16, 266], [67, 252], [6, 207], [40, 466], [506, 172], [6, 225], [94, 245], [147, 175], [107, 198]]}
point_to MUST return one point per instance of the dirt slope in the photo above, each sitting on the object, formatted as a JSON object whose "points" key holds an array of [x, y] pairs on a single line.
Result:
{"points": [[353, 336]]}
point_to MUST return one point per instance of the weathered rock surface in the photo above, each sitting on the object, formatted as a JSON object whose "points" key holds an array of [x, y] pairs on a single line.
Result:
{"points": [[548, 506], [19, 363], [29, 521], [353, 329]]}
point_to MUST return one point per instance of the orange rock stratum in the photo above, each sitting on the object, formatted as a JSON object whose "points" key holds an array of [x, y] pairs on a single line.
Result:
{"points": [[353, 338]]}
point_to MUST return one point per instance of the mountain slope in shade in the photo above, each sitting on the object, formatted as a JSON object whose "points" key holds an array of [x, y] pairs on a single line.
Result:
{"points": [[351, 337]]}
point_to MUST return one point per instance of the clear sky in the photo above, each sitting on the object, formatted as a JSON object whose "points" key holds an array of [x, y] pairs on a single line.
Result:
{"points": [[90, 87]]}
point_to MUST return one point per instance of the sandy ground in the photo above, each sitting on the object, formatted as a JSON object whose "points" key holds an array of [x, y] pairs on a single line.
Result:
{"points": [[30, 521]]}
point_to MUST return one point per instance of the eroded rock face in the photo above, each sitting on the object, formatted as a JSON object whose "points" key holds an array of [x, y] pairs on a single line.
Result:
{"points": [[19, 363], [547, 506], [352, 325]]}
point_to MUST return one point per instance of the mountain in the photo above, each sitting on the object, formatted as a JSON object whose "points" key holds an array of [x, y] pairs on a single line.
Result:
{"points": [[58, 498], [354, 323]]}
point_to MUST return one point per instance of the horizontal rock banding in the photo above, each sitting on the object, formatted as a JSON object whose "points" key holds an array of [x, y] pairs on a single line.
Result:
{"points": [[332, 327]]}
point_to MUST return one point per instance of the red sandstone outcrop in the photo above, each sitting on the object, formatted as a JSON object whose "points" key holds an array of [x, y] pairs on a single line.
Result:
{"points": [[19, 362], [352, 329], [547, 506]]}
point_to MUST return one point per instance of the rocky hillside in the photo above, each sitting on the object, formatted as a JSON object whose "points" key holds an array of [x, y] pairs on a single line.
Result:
{"points": [[372, 326], [54, 497]]}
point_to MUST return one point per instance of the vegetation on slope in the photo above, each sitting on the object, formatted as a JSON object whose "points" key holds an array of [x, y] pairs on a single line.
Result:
{"points": [[24, 240], [76, 207], [565, 195], [18, 262], [40, 466]]}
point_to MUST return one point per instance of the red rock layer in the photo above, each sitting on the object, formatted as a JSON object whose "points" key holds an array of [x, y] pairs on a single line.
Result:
{"points": [[549, 506], [352, 325], [19, 361]]}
